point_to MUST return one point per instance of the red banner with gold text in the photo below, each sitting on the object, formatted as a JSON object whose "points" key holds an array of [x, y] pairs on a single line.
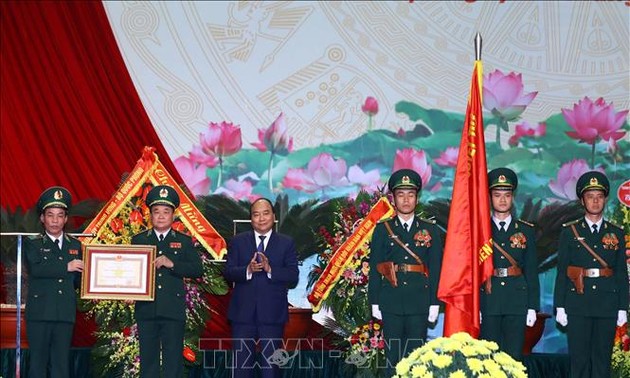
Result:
{"points": [[125, 214]]}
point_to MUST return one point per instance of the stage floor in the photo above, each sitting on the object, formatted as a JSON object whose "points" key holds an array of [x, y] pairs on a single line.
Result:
{"points": [[311, 364]]}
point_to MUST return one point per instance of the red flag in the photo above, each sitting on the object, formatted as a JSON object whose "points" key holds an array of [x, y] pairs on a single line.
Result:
{"points": [[467, 258]]}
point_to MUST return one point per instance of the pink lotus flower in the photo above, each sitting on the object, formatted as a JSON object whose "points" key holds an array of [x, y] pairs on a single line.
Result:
{"points": [[195, 178], [413, 159], [448, 158], [198, 156], [322, 172], [275, 139], [564, 186], [370, 107], [238, 190], [593, 120], [218, 141], [526, 129], [221, 139], [503, 95], [368, 181]]}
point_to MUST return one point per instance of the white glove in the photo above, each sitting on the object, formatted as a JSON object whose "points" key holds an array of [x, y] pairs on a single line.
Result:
{"points": [[531, 318], [434, 310], [622, 318], [376, 312], [561, 317]]}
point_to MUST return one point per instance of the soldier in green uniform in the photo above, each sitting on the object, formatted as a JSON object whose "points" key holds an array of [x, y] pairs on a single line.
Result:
{"points": [[511, 297], [54, 272], [591, 292], [405, 265], [161, 322]]}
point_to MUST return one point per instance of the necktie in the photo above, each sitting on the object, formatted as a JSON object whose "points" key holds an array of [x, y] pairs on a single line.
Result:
{"points": [[502, 224], [161, 237], [261, 245], [58, 242], [594, 228], [406, 227]]}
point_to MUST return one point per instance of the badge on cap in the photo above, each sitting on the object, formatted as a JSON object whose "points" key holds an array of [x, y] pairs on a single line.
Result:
{"points": [[164, 193], [405, 180], [502, 179], [594, 181], [58, 195]]}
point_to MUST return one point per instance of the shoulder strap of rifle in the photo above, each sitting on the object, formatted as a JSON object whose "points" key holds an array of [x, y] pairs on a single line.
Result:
{"points": [[400, 243]]}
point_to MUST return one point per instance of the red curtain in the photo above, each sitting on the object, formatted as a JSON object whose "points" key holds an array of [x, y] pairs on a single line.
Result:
{"points": [[69, 111]]}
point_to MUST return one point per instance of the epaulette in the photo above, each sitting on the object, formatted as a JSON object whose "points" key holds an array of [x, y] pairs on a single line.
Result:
{"points": [[527, 223], [70, 237], [575, 221], [385, 220], [430, 221], [616, 225], [36, 237]]}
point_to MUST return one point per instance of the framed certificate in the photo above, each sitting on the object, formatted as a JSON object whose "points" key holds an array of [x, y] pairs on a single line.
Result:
{"points": [[113, 271]]}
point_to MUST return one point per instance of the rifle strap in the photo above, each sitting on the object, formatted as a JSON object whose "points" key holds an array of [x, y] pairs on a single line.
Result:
{"points": [[400, 243], [588, 248]]}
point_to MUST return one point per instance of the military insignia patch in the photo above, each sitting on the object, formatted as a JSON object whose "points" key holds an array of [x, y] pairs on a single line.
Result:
{"points": [[422, 238], [610, 241], [175, 245], [518, 240], [73, 251]]}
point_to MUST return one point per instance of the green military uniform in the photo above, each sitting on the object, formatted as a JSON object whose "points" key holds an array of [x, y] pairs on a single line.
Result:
{"points": [[511, 293], [405, 308], [591, 315], [51, 302], [161, 322]]}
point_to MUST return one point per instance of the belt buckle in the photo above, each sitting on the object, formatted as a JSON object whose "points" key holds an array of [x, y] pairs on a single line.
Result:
{"points": [[502, 272], [403, 268], [592, 273]]}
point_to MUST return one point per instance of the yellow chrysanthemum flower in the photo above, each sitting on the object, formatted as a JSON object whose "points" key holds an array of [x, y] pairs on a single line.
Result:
{"points": [[458, 374], [469, 351], [475, 365], [461, 336], [402, 367], [428, 356], [491, 365], [418, 371], [442, 361]]}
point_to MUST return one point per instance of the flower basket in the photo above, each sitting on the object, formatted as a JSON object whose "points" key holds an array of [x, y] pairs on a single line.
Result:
{"points": [[460, 356]]}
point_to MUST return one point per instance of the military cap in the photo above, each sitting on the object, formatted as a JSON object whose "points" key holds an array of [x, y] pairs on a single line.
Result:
{"points": [[592, 180], [163, 195], [405, 179], [56, 196], [502, 179]]}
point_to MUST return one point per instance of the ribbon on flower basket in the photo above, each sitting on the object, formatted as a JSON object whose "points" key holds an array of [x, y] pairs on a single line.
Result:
{"points": [[149, 169], [343, 255]]}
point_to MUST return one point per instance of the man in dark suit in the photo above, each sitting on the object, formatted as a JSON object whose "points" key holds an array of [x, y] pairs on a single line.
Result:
{"points": [[54, 272], [161, 321], [591, 292], [411, 247], [510, 299], [262, 264]]}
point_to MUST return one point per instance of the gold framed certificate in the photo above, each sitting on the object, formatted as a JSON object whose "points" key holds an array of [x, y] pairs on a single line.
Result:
{"points": [[113, 271]]}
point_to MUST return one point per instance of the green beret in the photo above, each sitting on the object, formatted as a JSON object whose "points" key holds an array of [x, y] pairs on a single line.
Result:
{"points": [[502, 179], [405, 179], [592, 180], [163, 195], [55, 196]]}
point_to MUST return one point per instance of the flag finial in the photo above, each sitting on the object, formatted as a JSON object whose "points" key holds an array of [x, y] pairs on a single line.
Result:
{"points": [[478, 46]]}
